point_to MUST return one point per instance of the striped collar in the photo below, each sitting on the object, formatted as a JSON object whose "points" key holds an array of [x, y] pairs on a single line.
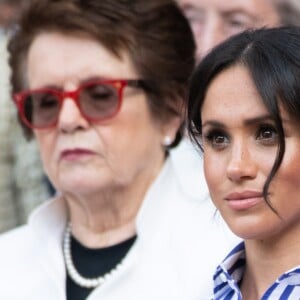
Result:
{"points": [[230, 272]]}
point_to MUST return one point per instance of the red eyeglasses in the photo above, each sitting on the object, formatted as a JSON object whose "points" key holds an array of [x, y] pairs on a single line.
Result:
{"points": [[97, 101]]}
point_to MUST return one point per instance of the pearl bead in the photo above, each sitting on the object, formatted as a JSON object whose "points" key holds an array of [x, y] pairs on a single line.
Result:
{"points": [[73, 273]]}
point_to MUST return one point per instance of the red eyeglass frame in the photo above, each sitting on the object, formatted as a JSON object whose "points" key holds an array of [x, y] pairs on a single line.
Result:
{"points": [[119, 84]]}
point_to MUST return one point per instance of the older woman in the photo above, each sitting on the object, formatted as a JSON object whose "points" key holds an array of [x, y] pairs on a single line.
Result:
{"points": [[100, 85], [213, 21], [244, 111]]}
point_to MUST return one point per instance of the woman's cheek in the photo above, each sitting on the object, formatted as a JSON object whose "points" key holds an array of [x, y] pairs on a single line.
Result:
{"points": [[213, 171]]}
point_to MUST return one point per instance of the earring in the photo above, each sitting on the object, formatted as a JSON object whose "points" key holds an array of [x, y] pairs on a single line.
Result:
{"points": [[167, 141]]}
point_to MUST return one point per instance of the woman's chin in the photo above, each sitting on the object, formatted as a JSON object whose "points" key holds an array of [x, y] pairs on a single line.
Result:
{"points": [[255, 228], [83, 185]]}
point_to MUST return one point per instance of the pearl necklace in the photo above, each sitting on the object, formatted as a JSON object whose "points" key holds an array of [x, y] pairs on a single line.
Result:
{"points": [[73, 273]]}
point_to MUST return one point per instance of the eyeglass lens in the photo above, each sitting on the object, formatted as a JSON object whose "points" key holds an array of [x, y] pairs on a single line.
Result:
{"points": [[96, 102]]}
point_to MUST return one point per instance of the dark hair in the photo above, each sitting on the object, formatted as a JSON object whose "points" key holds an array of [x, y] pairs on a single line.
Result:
{"points": [[154, 33], [272, 57]]}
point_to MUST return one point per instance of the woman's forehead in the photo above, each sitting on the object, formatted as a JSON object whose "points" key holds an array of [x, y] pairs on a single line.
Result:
{"points": [[73, 56]]}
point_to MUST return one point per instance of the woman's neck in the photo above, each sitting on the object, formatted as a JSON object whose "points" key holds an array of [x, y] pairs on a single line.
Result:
{"points": [[103, 220], [92, 237], [107, 217], [267, 260]]}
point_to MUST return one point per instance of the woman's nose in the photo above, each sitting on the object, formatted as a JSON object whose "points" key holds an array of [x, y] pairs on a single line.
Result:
{"points": [[210, 37], [70, 117], [241, 165]]}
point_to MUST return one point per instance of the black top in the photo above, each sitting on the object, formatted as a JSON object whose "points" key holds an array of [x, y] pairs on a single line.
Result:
{"points": [[92, 263]]}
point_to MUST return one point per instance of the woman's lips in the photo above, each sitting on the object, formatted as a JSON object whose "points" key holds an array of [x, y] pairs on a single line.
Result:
{"points": [[75, 154], [244, 200]]}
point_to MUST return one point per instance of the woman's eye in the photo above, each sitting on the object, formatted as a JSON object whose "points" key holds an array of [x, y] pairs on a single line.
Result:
{"points": [[236, 23], [195, 17], [99, 92], [267, 134], [216, 139]]}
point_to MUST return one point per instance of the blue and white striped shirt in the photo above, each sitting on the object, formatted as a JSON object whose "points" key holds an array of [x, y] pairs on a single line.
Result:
{"points": [[230, 272]]}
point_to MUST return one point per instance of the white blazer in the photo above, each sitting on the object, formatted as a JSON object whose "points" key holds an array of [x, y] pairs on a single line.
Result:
{"points": [[180, 242]]}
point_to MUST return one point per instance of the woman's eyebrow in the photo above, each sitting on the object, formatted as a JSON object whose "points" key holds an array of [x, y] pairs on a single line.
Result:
{"points": [[247, 122], [258, 119], [213, 123]]}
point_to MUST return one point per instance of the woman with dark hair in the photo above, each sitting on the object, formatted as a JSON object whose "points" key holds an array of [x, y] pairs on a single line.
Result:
{"points": [[100, 85], [244, 113]]}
